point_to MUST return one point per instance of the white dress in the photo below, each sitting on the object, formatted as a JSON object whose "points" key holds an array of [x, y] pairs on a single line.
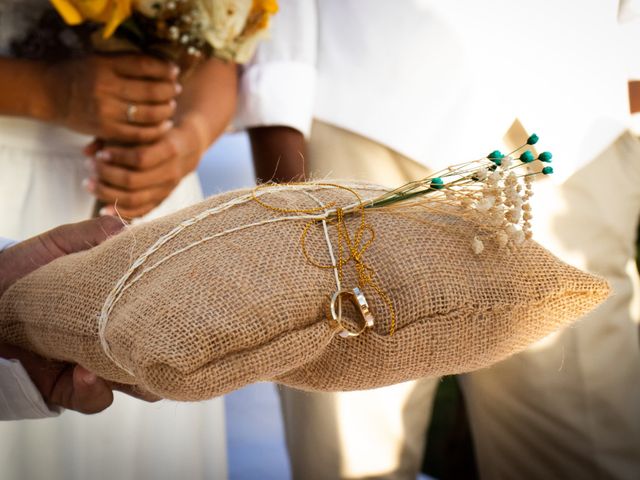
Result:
{"points": [[41, 171]]}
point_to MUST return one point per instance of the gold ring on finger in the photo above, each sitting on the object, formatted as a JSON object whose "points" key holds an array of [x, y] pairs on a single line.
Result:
{"points": [[131, 113]]}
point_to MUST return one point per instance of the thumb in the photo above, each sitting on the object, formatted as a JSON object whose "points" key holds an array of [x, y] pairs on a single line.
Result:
{"points": [[76, 237], [78, 389], [90, 393], [27, 256]]}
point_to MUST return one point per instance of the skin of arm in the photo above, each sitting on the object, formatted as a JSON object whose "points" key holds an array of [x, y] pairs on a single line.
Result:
{"points": [[91, 95], [634, 96], [278, 154], [139, 177]]}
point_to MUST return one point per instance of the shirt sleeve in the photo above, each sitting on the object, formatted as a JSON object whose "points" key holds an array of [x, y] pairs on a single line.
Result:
{"points": [[5, 243], [19, 397], [278, 86]]}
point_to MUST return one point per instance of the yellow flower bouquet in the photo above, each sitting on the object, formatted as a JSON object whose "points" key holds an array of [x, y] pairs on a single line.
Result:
{"points": [[226, 29]]}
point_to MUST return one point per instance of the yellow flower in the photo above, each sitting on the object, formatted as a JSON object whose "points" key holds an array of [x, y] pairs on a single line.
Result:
{"points": [[267, 6], [110, 12]]}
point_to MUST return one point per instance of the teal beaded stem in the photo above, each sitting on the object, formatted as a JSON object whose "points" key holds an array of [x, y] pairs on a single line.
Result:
{"points": [[437, 183], [533, 139], [496, 154], [547, 170], [527, 157], [545, 157]]}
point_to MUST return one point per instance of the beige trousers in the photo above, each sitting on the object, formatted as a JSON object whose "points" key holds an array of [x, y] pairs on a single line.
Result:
{"points": [[374, 433], [568, 408]]}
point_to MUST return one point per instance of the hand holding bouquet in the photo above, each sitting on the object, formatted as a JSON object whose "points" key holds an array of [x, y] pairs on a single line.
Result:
{"points": [[149, 133]]}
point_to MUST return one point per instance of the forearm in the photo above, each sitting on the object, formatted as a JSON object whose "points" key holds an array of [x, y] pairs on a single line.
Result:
{"points": [[634, 96], [208, 100], [278, 153], [24, 88]]}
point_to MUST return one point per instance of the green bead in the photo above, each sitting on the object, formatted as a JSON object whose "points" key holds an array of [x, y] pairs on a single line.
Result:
{"points": [[437, 183], [495, 154], [545, 157], [497, 161], [533, 139], [547, 170], [527, 157]]}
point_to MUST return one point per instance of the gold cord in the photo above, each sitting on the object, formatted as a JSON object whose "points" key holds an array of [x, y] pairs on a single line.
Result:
{"points": [[355, 248]]}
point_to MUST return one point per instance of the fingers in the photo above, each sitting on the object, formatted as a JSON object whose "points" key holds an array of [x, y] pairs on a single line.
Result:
{"points": [[78, 389], [143, 157], [142, 66], [148, 123], [29, 255], [89, 394], [81, 236], [146, 114], [131, 204], [143, 91], [127, 179], [137, 134], [93, 148]]}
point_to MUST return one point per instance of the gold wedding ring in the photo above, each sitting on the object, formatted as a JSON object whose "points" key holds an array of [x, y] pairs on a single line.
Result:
{"points": [[131, 113], [360, 302]]}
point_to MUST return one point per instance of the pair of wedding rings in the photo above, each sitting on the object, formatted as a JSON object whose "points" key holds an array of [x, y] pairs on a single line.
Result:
{"points": [[359, 302]]}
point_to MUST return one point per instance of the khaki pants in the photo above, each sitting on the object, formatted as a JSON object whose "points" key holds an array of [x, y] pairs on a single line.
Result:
{"points": [[568, 408]]}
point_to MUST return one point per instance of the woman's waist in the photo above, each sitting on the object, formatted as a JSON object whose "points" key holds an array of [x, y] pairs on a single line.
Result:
{"points": [[35, 135]]}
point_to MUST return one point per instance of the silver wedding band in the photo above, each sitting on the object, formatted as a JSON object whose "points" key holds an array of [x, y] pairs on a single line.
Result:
{"points": [[131, 113], [360, 302]]}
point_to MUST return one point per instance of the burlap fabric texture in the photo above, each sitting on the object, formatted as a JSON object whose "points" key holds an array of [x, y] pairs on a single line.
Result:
{"points": [[246, 305]]}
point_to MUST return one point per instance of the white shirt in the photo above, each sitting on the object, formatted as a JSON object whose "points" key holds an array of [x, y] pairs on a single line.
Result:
{"points": [[441, 82], [19, 397]]}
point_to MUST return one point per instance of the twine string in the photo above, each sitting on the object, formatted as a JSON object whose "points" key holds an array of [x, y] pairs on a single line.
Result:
{"points": [[323, 213], [355, 246]]}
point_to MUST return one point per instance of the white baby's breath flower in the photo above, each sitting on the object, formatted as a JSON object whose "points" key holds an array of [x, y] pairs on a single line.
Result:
{"points": [[485, 203], [502, 238], [497, 217], [511, 179], [514, 215], [148, 8], [482, 174], [494, 178], [477, 245]]}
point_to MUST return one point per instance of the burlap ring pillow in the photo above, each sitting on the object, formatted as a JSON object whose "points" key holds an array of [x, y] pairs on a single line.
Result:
{"points": [[229, 298]]}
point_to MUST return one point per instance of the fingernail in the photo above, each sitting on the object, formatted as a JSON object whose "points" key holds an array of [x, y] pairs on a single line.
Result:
{"points": [[103, 155], [89, 378], [173, 104], [178, 89], [175, 71], [167, 125], [89, 184], [90, 165], [104, 211]]}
